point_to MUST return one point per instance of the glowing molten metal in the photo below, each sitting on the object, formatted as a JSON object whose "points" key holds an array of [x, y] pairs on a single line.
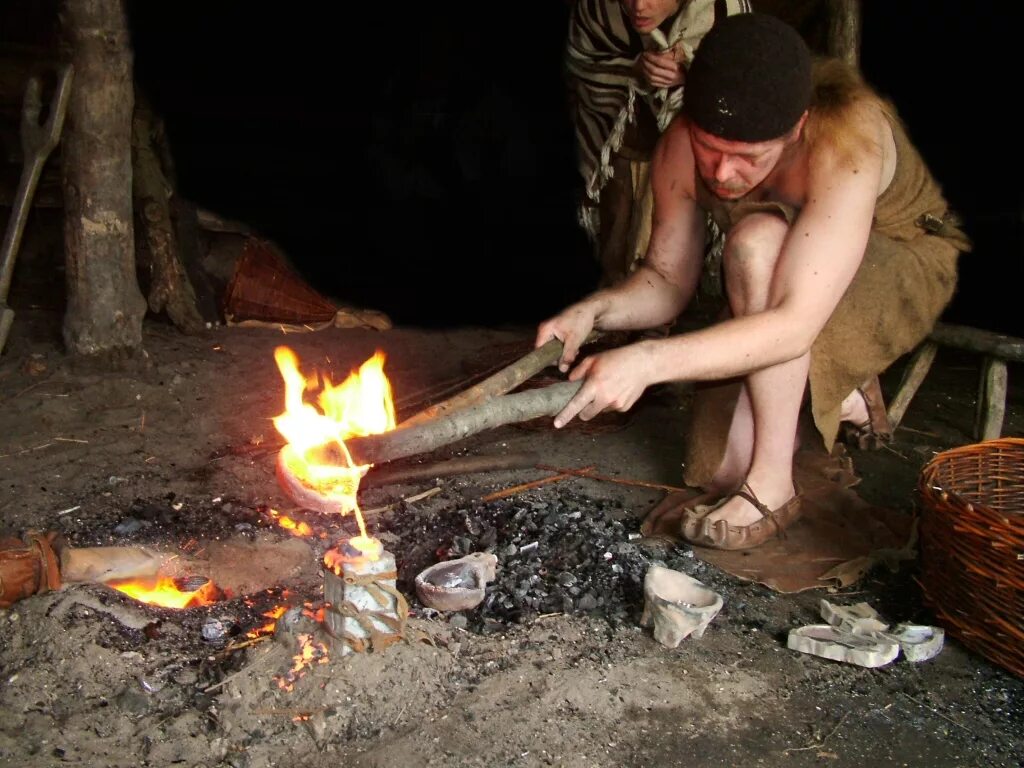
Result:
{"points": [[162, 591], [316, 455]]}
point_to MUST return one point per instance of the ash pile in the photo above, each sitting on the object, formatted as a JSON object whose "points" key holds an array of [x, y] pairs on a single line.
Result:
{"points": [[566, 554]]}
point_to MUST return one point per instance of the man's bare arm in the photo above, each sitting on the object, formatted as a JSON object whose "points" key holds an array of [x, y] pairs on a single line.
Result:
{"points": [[665, 282], [819, 259]]}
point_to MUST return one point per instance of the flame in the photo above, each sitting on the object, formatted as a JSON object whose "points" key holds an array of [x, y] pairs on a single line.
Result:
{"points": [[310, 652], [275, 613], [351, 551], [297, 528], [162, 591], [316, 453]]}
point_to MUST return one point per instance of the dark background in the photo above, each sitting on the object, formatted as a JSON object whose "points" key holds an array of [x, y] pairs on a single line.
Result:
{"points": [[418, 157]]}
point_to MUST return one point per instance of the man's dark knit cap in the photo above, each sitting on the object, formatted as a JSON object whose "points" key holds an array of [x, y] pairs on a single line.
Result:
{"points": [[750, 79]]}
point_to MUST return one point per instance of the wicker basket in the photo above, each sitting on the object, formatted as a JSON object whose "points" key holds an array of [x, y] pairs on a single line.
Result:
{"points": [[972, 546]]}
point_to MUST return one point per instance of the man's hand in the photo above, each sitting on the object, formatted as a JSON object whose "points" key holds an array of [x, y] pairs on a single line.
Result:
{"points": [[571, 327], [613, 379], [661, 70]]}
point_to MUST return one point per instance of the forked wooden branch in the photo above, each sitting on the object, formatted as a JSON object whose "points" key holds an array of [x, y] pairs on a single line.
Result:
{"points": [[501, 383], [444, 430]]}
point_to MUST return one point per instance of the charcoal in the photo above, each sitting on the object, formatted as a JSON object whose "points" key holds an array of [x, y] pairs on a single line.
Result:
{"points": [[565, 553]]}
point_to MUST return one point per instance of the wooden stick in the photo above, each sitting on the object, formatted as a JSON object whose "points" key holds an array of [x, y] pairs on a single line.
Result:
{"points": [[444, 430], [913, 376], [416, 400], [503, 381], [527, 486], [977, 340], [408, 500], [606, 478], [988, 424], [463, 465]]}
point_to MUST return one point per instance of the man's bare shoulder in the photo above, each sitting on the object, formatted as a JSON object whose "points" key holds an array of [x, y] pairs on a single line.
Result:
{"points": [[673, 163]]}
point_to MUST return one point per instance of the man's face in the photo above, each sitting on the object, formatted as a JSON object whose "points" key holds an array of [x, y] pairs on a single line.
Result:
{"points": [[646, 15], [730, 169]]}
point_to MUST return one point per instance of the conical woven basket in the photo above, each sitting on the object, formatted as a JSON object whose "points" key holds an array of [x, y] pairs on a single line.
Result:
{"points": [[972, 546], [264, 287]]}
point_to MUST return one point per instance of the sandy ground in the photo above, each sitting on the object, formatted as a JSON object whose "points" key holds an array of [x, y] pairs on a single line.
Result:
{"points": [[168, 453]]}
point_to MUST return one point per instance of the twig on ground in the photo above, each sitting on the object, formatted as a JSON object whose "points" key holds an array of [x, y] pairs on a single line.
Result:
{"points": [[243, 671], [919, 432], [606, 478], [408, 500], [893, 450], [460, 465], [244, 644], [512, 491], [27, 450], [934, 711], [820, 742], [29, 388]]}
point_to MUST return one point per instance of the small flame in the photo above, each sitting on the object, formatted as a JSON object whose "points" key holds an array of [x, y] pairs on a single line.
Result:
{"points": [[316, 453], [164, 592], [297, 528], [352, 550], [275, 614], [310, 652]]}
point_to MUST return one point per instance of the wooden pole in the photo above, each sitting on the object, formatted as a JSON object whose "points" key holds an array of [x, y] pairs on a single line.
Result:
{"points": [[105, 306], [844, 30], [169, 286]]}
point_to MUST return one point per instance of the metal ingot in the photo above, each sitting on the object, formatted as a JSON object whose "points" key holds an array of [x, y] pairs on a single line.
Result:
{"points": [[871, 650], [919, 642], [456, 585], [677, 605]]}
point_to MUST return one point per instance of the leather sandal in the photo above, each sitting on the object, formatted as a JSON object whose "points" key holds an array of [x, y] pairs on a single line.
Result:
{"points": [[877, 430], [692, 523], [721, 535], [667, 518]]}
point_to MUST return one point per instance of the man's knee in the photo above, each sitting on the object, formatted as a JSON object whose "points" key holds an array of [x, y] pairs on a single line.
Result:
{"points": [[749, 258]]}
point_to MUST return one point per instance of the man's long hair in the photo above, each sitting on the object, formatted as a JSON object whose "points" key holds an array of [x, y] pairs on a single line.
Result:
{"points": [[840, 112]]}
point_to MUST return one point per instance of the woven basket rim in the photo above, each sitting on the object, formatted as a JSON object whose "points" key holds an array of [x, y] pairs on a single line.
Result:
{"points": [[928, 487]]}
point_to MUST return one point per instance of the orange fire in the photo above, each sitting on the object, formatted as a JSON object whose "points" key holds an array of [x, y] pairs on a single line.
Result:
{"points": [[297, 528], [310, 652], [164, 592], [316, 453]]}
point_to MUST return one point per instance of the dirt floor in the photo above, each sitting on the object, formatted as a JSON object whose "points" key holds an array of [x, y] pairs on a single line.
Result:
{"points": [[174, 453]]}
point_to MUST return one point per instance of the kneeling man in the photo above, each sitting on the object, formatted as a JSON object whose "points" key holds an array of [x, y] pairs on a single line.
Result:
{"points": [[840, 254]]}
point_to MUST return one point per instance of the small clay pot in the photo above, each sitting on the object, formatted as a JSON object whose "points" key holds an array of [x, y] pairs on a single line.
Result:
{"points": [[456, 585], [677, 605]]}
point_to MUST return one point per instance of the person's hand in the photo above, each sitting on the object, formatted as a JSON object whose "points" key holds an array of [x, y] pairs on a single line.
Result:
{"points": [[661, 70], [571, 327], [614, 379]]}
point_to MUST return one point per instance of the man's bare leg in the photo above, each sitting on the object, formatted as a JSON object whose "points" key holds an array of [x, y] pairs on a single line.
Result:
{"points": [[775, 393], [739, 448], [854, 409]]}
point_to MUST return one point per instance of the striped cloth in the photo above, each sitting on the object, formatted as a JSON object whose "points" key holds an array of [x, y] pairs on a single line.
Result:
{"points": [[600, 59]]}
